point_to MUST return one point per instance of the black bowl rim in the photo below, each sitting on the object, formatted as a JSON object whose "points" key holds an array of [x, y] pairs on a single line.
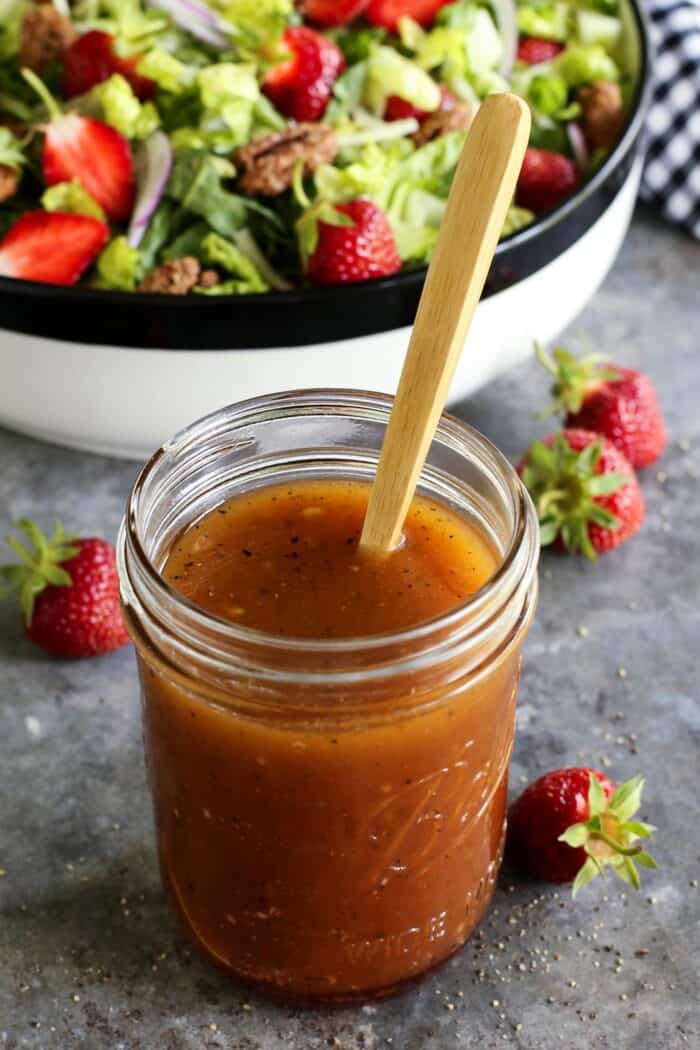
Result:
{"points": [[346, 293]]}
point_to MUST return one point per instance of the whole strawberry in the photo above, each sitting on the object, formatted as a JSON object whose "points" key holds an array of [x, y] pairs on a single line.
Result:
{"points": [[69, 592], [620, 403], [572, 823], [301, 86], [545, 180], [344, 243], [585, 491]]}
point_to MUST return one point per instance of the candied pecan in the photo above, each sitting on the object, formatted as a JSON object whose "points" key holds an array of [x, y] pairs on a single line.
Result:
{"points": [[46, 36], [602, 113], [9, 181], [442, 121], [208, 279], [176, 277], [268, 163]]}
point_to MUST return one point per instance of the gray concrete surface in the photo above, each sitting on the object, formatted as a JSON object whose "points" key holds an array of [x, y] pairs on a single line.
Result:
{"points": [[89, 955]]}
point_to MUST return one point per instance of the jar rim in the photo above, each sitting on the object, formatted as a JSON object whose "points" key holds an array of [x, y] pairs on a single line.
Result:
{"points": [[457, 434]]}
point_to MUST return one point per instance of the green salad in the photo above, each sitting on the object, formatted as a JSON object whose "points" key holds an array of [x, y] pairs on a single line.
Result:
{"points": [[242, 146]]}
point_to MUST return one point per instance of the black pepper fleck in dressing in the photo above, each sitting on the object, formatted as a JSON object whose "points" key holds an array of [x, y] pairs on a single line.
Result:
{"points": [[286, 560]]}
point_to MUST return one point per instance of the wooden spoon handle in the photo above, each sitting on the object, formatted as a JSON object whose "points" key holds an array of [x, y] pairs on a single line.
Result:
{"points": [[481, 193]]}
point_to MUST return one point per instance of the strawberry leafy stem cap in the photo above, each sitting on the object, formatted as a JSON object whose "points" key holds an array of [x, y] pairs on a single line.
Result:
{"points": [[564, 486], [38, 567], [574, 377], [610, 837]]}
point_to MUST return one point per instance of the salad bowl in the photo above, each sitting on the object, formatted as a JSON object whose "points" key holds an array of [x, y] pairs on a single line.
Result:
{"points": [[116, 372]]}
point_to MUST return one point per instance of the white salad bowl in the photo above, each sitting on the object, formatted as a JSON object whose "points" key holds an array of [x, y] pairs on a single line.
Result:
{"points": [[117, 373]]}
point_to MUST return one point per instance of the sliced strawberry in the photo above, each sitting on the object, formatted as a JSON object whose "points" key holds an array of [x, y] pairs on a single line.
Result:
{"points": [[51, 247], [532, 50], [332, 12], [386, 13], [301, 86], [546, 179], [91, 59], [95, 154], [350, 242], [88, 150]]}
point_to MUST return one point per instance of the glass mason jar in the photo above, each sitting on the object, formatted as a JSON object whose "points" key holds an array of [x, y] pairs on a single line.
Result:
{"points": [[330, 815]]}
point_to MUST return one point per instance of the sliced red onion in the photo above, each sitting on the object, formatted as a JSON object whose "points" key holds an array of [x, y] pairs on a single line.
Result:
{"points": [[154, 162], [579, 146], [508, 25], [198, 19]]}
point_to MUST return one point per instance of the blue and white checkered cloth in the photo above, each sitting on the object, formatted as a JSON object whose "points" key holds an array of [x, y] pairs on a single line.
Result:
{"points": [[671, 179]]}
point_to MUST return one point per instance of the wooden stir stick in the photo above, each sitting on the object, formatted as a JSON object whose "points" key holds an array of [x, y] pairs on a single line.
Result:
{"points": [[481, 192]]}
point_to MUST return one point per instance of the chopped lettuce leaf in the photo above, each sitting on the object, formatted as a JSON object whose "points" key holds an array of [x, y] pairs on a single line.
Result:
{"points": [[415, 194], [122, 109], [365, 176], [465, 45], [266, 117], [411, 34], [548, 93], [251, 249], [227, 92], [162, 228], [548, 134], [347, 93], [228, 109], [196, 184], [118, 266], [188, 242], [414, 243], [11, 150], [71, 197], [179, 111], [12, 13], [168, 72], [232, 287], [227, 256], [220, 83], [595, 28], [433, 164], [457, 15], [135, 25], [583, 63], [389, 73], [259, 24], [549, 21], [516, 219]]}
